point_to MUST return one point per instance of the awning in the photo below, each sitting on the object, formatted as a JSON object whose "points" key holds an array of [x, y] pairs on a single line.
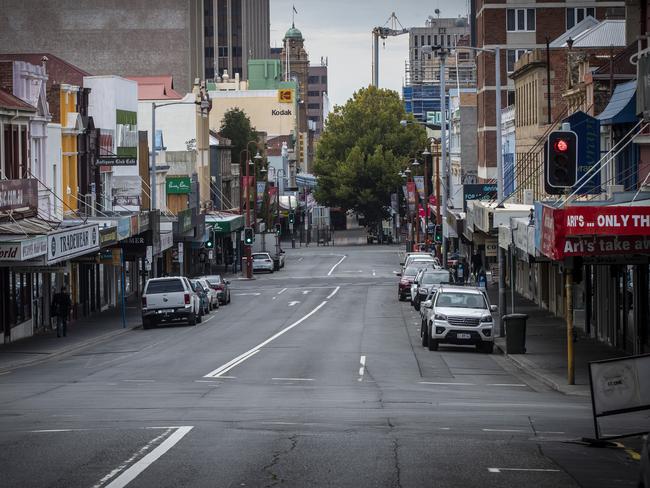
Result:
{"points": [[224, 223], [621, 108]]}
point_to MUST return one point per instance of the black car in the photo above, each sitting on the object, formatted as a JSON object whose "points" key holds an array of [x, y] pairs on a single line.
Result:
{"points": [[428, 280]]}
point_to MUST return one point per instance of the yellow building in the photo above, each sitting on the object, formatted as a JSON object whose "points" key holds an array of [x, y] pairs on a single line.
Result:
{"points": [[71, 127]]}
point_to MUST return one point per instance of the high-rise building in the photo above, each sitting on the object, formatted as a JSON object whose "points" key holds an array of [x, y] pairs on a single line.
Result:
{"points": [[517, 29], [186, 39], [317, 96]]}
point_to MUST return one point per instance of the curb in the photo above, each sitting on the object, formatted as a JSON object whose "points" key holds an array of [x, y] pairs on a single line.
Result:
{"points": [[527, 367], [69, 350]]}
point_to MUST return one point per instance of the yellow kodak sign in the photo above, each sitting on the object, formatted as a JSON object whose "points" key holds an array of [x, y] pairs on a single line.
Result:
{"points": [[285, 96]]}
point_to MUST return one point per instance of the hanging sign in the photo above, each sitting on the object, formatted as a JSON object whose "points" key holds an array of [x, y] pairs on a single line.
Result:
{"points": [[72, 242]]}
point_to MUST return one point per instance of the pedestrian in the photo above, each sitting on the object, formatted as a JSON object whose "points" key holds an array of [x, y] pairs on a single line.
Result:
{"points": [[61, 305], [477, 263]]}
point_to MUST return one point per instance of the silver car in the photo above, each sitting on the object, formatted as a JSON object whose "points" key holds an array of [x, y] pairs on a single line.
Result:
{"points": [[262, 261], [458, 315]]}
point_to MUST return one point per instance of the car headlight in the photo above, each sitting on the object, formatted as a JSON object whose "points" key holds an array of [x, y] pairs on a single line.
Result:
{"points": [[486, 318], [440, 316]]}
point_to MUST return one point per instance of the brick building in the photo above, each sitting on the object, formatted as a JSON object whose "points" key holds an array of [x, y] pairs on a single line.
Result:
{"points": [[517, 29]]}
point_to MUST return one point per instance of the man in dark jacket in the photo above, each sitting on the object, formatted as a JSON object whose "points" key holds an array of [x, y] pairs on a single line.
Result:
{"points": [[61, 305]]}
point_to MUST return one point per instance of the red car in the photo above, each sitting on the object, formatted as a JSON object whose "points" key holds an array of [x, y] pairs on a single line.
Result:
{"points": [[405, 282]]}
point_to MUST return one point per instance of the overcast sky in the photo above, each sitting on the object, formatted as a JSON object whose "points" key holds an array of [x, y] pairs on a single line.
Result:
{"points": [[340, 30]]}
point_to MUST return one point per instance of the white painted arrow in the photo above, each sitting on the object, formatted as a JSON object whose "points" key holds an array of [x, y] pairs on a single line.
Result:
{"points": [[305, 292], [291, 304]]}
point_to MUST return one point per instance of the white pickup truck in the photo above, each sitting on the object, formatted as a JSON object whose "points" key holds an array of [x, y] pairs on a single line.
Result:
{"points": [[169, 299]]}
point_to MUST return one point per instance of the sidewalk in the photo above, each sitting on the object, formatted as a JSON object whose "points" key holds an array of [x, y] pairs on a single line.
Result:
{"points": [[82, 333], [546, 346]]}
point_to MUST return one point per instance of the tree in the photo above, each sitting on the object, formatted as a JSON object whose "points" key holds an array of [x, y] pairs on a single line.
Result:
{"points": [[236, 126], [361, 151]]}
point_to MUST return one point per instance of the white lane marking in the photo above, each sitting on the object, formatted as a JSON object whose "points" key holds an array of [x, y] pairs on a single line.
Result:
{"points": [[208, 320], [5, 372], [503, 430], [292, 379], [235, 362], [206, 381], [507, 384], [333, 293], [444, 428], [130, 474], [305, 292], [499, 470], [293, 304], [282, 423], [334, 267], [45, 431], [445, 384], [549, 432], [247, 294], [275, 298], [300, 259], [282, 291], [256, 349], [362, 369], [373, 273], [139, 381]]}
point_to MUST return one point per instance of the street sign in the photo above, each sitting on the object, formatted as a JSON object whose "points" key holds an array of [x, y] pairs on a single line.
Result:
{"points": [[116, 161]]}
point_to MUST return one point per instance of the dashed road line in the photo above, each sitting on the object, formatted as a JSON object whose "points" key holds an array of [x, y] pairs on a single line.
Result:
{"points": [[532, 470], [293, 303], [292, 379], [362, 369], [334, 267], [444, 383], [503, 430], [282, 291]]}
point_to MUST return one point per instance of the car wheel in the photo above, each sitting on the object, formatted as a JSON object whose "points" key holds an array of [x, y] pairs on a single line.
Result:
{"points": [[486, 347], [228, 297], [146, 324], [199, 318], [425, 335], [191, 319], [417, 306], [399, 297], [432, 344]]}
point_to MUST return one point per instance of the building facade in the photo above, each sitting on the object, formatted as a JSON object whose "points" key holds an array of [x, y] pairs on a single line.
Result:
{"points": [[317, 97]]}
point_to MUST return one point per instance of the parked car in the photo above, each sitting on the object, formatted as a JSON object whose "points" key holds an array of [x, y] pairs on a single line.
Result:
{"points": [[644, 475], [262, 262], [213, 295], [169, 299], [459, 315], [407, 277], [410, 254], [429, 279], [203, 294], [221, 286]]}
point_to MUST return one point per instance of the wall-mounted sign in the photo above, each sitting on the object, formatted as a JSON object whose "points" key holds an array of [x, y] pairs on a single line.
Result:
{"points": [[126, 190], [123, 228], [178, 185], [166, 240], [285, 96], [184, 221], [15, 194], [116, 161], [23, 250], [479, 192], [275, 112], [108, 236], [69, 243]]}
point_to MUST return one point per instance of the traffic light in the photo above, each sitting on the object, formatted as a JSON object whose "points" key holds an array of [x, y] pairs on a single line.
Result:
{"points": [[292, 217], [209, 244], [561, 165], [278, 229], [248, 236], [438, 234]]}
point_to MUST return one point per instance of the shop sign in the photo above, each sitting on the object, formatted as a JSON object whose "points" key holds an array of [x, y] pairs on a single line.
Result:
{"points": [[178, 185], [628, 221], [491, 247], [16, 194], [23, 250], [107, 236], [482, 218], [123, 228], [479, 192], [285, 95], [126, 190], [143, 222], [76, 241], [166, 240], [116, 161]]}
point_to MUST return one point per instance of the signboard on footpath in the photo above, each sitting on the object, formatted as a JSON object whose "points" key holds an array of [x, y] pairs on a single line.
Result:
{"points": [[69, 243], [18, 194]]}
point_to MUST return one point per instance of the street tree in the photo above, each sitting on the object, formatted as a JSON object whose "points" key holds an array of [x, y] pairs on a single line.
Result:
{"points": [[236, 126], [361, 151]]}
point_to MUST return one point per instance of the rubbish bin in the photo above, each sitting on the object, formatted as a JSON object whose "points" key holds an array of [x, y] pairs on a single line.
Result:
{"points": [[515, 328]]}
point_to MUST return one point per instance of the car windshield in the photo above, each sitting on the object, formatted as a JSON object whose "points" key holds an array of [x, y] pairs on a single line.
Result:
{"points": [[461, 300], [412, 271], [435, 278], [214, 280], [260, 256], [164, 286]]}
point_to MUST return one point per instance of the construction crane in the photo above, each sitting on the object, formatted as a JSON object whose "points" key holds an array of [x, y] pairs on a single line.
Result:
{"points": [[384, 32]]}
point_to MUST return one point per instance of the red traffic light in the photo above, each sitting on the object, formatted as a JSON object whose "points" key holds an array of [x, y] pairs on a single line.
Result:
{"points": [[561, 146]]}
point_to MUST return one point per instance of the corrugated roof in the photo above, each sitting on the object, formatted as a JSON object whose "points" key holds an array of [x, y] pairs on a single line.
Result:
{"points": [[586, 23], [621, 107], [7, 100], [607, 33], [156, 87]]}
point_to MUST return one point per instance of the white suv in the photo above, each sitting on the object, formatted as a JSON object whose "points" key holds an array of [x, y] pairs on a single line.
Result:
{"points": [[169, 299], [458, 315]]}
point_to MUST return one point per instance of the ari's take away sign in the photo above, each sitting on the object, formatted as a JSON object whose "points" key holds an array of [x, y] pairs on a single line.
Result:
{"points": [[178, 185]]}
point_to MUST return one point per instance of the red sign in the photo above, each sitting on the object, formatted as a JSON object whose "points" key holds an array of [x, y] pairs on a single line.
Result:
{"points": [[18, 194], [594, 231], [410, 188]]}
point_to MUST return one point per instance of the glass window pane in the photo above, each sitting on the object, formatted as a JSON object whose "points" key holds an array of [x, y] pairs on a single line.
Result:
{"points": [[511, 19], [570, 19], [581, 15], [521, 20], [591, 11], [531, 19]]}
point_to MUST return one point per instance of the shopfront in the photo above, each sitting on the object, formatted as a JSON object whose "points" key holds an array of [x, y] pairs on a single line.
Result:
{"points": [[226, 231]]}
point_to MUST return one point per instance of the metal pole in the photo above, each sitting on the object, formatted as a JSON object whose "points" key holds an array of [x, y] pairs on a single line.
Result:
{"points": [[501, 253], [249, 265], [153, 158], [438, 222], [497, 78], [568, 289], [548, 81], [426, 199], [375, 59], [443, 139]]}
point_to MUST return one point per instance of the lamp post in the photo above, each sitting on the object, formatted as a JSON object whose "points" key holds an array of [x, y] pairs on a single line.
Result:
{"points": [[407, 174], [415, 164], [280, 187]]}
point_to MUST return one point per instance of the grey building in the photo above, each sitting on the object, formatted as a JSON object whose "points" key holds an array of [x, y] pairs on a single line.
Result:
{"points": [[143, 38], [317, 96]]}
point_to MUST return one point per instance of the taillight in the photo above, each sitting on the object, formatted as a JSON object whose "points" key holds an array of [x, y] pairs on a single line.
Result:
{"points": [[187, 299], [144, 301]]}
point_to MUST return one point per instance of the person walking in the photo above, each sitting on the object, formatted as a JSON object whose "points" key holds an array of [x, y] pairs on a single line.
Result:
{"points": [[61, 305]]}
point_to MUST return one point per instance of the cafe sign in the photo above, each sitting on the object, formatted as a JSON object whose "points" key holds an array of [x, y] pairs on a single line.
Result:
{"points": [[23, 250], [18, 194], [178, 185], [72, 242]]}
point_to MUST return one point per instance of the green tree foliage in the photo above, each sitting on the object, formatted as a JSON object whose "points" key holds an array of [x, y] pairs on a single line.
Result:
{"points": [[236, 126], [362, 150]]}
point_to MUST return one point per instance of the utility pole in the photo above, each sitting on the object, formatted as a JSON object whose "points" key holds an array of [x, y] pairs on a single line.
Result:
{"points": [[249, 264], [568, 290], [438, 222], [443, 52]]}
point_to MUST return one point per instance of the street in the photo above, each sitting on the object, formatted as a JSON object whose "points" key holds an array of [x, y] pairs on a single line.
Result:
{"points": [[312, 376]]}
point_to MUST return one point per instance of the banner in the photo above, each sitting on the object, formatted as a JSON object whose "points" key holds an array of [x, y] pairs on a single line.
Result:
{"points": [[410, 189], [419, 184]]}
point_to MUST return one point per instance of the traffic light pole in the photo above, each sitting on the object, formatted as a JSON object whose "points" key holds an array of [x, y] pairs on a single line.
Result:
{"points": [[247, 249]]}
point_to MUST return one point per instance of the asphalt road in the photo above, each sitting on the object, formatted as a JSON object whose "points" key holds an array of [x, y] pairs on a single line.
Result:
{"points": [[313, 376]]}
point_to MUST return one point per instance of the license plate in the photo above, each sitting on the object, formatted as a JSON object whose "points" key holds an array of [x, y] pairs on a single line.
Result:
{"points": [[464, 336]]}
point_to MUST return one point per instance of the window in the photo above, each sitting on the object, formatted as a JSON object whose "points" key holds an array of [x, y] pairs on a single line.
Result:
{"points": [[312, 80], [323, 80], [415, 53], [313, 106], [164, 286], [448, 40], [313, 93], [422, 40], [520, 19], [429, 40], [512, 56], [435, 40], [415, 41], [314, 118], [575, 15]]}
